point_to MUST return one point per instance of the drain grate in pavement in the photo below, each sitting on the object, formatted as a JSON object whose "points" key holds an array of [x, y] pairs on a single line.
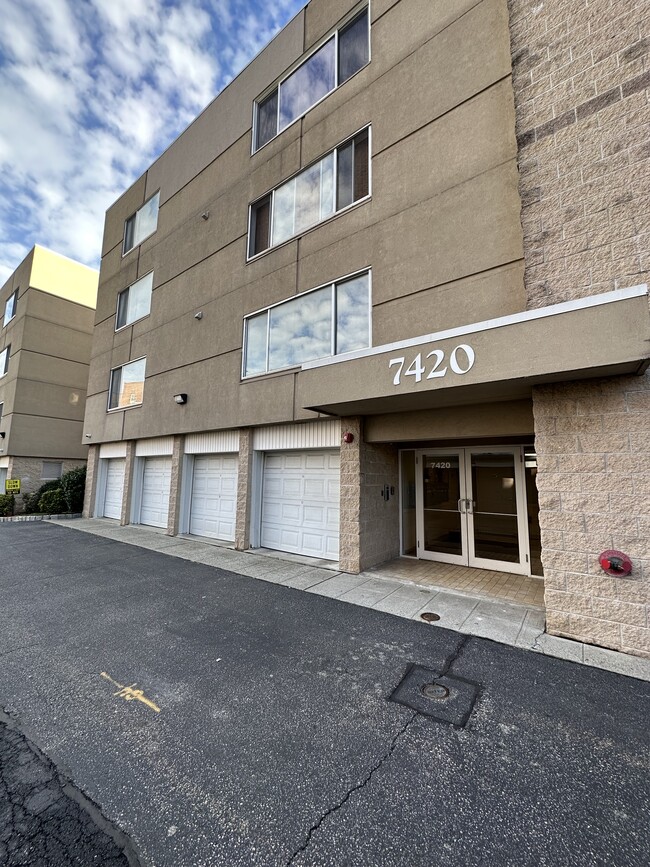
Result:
{"points": [[444, 698]]}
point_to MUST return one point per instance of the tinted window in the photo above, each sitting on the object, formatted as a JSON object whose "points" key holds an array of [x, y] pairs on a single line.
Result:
{"points": [[309, 83], [353, 47]]}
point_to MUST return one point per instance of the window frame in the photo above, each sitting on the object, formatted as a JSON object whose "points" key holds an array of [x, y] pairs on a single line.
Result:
{"points": [[7, 354], [45, 478], [275, 88], [110, 408], [14, 297], [127, 289], [330, 283], [134, 216], [270, 195]]}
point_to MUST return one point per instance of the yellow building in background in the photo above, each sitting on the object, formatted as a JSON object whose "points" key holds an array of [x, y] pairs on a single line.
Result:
{"points": [[48, 309]]}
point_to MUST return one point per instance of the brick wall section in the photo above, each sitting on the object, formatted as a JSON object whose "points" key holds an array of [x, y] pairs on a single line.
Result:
{"points": [[581, 75], [244, 474], [90, 493], [369, 523]]}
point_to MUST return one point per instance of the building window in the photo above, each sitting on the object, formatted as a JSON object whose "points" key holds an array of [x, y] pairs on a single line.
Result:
{"points": [[142, 224], [51, 470], [127, 385], [134, 302], [4, 360], [331, 65], [10, 308], [339, 179], [328, 320]]}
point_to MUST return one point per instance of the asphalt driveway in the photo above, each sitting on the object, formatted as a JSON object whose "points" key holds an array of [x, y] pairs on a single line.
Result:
{"points": [[218, 719]]}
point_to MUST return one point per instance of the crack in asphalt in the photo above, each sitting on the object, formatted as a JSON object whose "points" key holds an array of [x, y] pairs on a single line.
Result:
{"points": [[351, 791], [44, 818], [455, 656]]}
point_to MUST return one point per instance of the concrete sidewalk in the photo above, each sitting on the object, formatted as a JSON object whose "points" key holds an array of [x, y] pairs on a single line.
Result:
{"points": [[508, 623]]}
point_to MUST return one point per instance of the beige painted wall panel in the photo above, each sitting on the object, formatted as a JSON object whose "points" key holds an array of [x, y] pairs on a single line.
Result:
{"points": [[227, 118], [466, 230], [503, 419], [12, 336], [57, 371], [99, 369], [52, 401], [116, 275], [59, 311], [105, 338], [322, 15], [47, 437], [432, 81], [103, 426], [474, 24], [469, 140], [127, 204], [55, 341], [7, 399], [498, 292]]}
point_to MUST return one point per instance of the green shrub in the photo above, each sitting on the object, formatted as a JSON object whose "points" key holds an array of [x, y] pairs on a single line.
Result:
{"points": [[73, 484], [52, 502], [31, 501], [7, 504]]}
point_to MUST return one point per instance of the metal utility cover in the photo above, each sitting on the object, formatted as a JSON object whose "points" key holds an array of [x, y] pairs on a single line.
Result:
{"points": [[454, 709]]}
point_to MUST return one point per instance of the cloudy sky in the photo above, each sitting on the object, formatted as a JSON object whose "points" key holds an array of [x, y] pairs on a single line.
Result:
{"points": [[91, 91]]}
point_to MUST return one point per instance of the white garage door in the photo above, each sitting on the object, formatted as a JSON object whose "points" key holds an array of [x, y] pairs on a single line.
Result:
{"points": [[114, 488], [155, 491], [214, 497], [300, 503]]}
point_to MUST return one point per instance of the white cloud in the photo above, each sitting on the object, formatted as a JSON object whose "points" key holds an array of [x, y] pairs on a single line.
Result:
{"points": [[92, 91]]}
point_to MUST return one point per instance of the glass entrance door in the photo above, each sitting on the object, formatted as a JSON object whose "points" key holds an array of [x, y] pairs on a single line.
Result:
{"points": [[471, 507]]}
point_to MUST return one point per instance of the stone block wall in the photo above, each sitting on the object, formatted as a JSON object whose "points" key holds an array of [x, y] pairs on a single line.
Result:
{"points": [[581, 76], [369, 528], [244, 477], [92, 471], [29, 471], [594, 492]]}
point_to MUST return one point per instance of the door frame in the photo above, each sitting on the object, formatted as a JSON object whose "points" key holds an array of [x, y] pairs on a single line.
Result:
{"points": [[468, 556]]}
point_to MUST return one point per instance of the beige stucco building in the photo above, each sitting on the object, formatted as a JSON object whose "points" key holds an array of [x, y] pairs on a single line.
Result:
{"points": [[386, 297], [48, 307]]}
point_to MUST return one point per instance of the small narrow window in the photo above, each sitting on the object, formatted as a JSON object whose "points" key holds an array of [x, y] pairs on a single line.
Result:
{"points": [[267, 119], [4, 360], [51, 470], [127, 385], [10, 307], [260, 226], [141, 224], [353, 47], [135, 302]]}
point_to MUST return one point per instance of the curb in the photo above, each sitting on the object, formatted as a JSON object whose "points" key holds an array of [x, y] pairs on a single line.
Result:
{"points": [[23, 518]]}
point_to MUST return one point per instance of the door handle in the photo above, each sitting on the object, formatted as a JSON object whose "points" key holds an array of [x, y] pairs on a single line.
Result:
{"points": [[470, 506], [460, 506]]}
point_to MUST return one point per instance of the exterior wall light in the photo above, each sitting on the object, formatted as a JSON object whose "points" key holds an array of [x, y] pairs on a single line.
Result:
{"points": [[180, 398], [348, 437]]}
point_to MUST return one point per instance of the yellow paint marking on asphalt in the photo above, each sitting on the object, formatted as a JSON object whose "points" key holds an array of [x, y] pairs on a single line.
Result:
{"points": [[130, 693]]}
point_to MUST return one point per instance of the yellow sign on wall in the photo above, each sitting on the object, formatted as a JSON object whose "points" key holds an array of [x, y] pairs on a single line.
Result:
{"points": [[12, 486]]}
